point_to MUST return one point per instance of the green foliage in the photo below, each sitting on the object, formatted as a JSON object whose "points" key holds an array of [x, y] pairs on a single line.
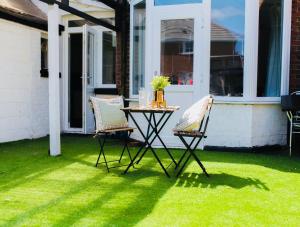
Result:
{"points": [[159, 83]]}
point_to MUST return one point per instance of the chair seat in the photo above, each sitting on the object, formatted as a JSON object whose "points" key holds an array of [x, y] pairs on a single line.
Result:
{"points": [[194, 134], [127, 129]]}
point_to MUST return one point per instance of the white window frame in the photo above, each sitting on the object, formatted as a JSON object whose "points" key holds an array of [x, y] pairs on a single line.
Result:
{"points": [[132, 4], [250, 52], [99, 81], [251, 55]]}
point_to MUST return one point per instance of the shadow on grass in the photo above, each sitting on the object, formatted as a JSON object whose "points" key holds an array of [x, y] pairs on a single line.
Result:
{"points": [[273, 161], [108, 205], [277, 162], [216, 180]]}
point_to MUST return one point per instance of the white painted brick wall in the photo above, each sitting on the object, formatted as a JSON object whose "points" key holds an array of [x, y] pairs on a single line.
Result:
{"points": [[23, 93]]}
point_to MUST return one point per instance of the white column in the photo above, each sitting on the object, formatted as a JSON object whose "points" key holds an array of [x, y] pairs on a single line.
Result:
{"points": [[286, 47], [53, 58], [251, 49]]}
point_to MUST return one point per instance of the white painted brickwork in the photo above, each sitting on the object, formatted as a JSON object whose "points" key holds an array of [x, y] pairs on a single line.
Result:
{"points": [[234, 125], [23, 93]]}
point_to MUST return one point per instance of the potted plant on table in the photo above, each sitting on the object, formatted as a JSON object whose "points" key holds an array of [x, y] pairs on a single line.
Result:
{"points": [[159, 83]]}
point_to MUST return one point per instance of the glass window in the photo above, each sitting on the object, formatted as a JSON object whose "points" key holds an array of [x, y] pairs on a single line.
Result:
{"points": [[227, 47], [109, 53], [175, 2], [138, 61], [44, 58], [90, 59], [270, 48], [177, 50]]}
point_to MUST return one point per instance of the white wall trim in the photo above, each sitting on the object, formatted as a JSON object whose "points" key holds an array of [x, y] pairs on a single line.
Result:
{"points": [[286, 47]]}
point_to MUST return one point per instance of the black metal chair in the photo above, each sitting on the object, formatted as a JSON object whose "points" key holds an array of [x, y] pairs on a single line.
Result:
{"points": [[291, 104], [197, 137], [102, 136]]}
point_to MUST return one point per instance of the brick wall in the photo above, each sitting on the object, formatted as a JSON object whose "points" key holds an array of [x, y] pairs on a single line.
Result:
{"points": [[122, 81], [295, 47]]}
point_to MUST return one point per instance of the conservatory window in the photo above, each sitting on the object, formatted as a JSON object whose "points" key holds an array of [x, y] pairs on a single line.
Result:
{"points": [[227, 48], [138, 56], [270, 48]]}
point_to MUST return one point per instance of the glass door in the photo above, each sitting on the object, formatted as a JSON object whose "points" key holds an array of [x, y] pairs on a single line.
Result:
{"points": [[89, 71], [179, 53], [178, 43]]}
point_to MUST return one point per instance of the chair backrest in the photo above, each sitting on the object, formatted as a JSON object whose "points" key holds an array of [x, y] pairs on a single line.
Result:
{"points": [[291, 102], [105, 113], [205, 120], [193, 117]]}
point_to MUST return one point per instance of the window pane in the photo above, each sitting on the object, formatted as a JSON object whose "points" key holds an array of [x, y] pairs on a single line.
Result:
{"points": [[90, 59], [109, 53], [227, 47], [44, 53], [270, 48], [175, 2], [138, 61], [177, 50]]}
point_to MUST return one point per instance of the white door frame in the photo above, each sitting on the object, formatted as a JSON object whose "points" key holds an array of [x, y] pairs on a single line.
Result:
{"points": [[66, 82], [97, 80], [201, 45], [199, 13], [88, 89]]}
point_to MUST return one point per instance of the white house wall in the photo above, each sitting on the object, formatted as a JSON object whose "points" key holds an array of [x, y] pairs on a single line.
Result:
{"points": [[233, 126], [248, 126], [23, 93]]}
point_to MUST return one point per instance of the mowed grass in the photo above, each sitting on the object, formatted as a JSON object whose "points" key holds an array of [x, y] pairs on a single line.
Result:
{"points": [[243, 190]]}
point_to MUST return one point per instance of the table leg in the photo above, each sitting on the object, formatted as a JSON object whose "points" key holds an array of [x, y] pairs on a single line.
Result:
{"points": [[148, 131], [161, 141], [156, 133], [147, 143]]}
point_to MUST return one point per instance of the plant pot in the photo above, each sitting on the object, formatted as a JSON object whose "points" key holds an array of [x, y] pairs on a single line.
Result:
{"points": [[159, 99]]}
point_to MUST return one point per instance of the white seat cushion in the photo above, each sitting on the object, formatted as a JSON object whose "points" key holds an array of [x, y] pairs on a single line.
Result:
{"points": [[192, 117], [108, 113]]}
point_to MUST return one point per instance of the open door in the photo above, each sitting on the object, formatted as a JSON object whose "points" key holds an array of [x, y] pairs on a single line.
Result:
{"points": [[88, 76]]}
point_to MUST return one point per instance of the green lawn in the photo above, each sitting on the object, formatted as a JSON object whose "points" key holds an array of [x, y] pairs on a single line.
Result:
{"points": [[243, 190]]}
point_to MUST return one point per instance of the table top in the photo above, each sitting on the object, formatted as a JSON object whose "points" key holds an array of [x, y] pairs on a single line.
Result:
{"points": [[149, 109]]}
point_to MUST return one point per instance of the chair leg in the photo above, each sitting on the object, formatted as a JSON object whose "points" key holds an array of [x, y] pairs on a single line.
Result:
{"points": [[122, 153], [106, 164], [98, 158], [186, 151], [101, 143], [291, 138], [183, 166], [192, 150], [102, 152], [199, 163], [181, 159]]}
